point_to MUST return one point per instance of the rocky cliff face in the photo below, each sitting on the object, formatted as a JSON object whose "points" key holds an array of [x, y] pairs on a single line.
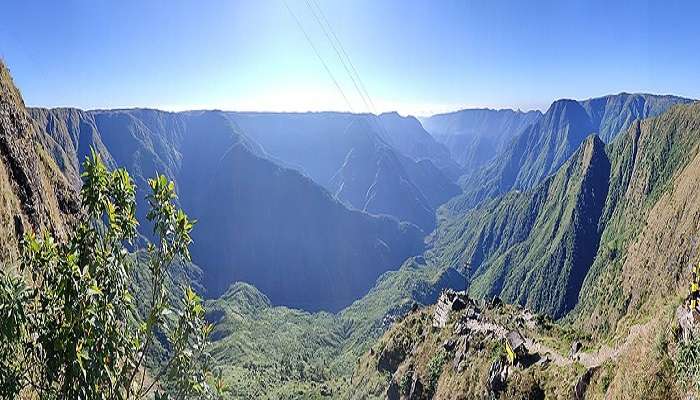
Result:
{"points": [[69, 134], [34, 195]]}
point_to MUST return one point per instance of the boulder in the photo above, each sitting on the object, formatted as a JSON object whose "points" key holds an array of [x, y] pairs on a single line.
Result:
{"points": [[582, 384], [498, 376], [460, 358], [575, 348], [689, 322]]}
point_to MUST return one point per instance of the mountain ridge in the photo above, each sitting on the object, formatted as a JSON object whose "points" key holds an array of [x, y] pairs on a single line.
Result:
{"points": [[543, 146], [150, 141], [354, 159]]}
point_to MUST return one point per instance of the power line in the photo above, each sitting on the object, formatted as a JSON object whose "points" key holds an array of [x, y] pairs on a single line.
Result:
{"points": [[342, 49], [344, 57], [318, 55], [338, 53]]}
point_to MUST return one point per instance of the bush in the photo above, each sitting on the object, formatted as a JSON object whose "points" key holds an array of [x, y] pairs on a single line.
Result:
{"points": [[405, 384], [688, 364], [69, 326], [435, 369]]}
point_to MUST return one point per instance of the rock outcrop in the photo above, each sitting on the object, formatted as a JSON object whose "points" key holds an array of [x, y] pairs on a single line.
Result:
{"points": [[448, 302], [34, 194]]}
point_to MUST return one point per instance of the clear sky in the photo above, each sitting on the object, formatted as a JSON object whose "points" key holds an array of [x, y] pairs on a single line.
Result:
{"points": [[416, 57]]}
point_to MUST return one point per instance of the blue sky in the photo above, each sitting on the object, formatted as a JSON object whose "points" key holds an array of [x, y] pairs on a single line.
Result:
{"points": [[417, 57]]}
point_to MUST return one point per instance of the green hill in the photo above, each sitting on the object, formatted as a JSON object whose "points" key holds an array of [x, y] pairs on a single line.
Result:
{"points": [[636, 198]]}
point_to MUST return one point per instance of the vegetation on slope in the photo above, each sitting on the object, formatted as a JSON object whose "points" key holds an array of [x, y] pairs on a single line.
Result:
{"points": [[274, 352], [548, 237], [647, 225], [280, 352], [534, 248], [650, 222], [466, 360]]}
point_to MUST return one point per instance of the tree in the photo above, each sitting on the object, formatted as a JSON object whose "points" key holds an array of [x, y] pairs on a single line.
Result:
{"points": [[70, 327]]}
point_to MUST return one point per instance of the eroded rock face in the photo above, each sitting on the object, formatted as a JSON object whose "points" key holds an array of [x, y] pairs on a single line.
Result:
{"points": [[390, 358], [582, 384], [575, 348], [410, 388], [498, 376], [689, 322], [416, 392], [461, 352], [448, 302], [35, 193]]}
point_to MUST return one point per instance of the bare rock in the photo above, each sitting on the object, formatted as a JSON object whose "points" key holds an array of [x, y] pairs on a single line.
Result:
{"points": [[498, 376]]}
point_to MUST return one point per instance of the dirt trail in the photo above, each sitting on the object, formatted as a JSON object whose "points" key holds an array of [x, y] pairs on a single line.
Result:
{"points": [[587, 359], [605, 353]]}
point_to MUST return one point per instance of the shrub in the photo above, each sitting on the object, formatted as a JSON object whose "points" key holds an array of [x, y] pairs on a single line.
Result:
{"points": [[405, 384], [688, 363], [69, 326], [435, 369]]}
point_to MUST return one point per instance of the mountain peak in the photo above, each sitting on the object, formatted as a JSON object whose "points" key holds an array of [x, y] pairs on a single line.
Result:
{"points": [[247, 296], [563, 106]]}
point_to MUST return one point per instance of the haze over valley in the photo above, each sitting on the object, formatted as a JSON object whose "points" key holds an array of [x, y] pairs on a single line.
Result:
{"points": [[294, 224]]}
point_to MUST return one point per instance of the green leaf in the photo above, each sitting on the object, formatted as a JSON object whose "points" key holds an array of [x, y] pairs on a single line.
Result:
{"points": [[94, 290]]}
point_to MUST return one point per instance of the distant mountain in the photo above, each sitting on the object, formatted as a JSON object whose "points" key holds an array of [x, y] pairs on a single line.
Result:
{"points": [[407, 135], [34, 194], [542, 148], [475, 136], [257, 221], [613, 114], [586, 237], [352, 156]]}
